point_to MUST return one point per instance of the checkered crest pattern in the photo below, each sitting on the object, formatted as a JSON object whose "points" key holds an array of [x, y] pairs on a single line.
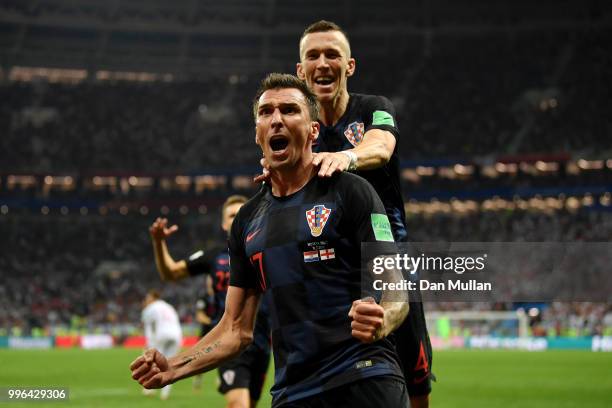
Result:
{"points": [[317, 216], [354, 133]]}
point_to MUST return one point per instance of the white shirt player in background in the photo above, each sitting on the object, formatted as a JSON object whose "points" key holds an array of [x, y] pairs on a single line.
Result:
{"points": [[162, 330]]}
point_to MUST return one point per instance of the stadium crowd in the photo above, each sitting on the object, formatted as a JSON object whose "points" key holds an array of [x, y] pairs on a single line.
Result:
{"points": [[87, 272], [97, 284], [556, 102]]}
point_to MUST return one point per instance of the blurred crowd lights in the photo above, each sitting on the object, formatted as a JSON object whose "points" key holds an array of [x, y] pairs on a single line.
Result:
{"points": [[548, 104], [124, 209], [498, 169], [77, 75], [126, 184], [74, 76], [53, 75], [211, 182], [537, 204], [103, 75], [413, 207]]}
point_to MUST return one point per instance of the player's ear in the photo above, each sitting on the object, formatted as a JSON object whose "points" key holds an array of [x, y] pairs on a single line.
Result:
{"points": [[350, 67], [256, 138], [300, 71], [314, 131]]}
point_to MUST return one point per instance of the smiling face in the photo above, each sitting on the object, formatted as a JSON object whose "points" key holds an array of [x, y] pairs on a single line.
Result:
{"points": [[284, 129], [325, 64]]}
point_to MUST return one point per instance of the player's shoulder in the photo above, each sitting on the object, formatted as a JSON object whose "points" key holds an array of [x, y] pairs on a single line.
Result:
{"points": [[251, 208], [253, 203], [349, 184], [367, 100]]}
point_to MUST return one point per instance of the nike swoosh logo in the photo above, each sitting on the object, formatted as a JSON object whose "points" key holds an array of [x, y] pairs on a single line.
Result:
{"points": [[252, 235]]}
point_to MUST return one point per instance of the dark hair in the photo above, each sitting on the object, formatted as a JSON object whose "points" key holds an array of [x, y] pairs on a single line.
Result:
{"points": [[323, 26], [233, 199], [154, 293], [286, 81]]}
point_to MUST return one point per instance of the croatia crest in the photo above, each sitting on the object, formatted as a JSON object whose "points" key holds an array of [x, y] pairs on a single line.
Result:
{"points": [[317, 216], [354, 133]]}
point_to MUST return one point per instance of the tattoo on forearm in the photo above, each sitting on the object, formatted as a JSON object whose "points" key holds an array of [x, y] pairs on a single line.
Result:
{"points": [[200, 353]]}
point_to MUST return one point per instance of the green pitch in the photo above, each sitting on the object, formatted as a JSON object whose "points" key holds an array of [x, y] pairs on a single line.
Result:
{"points": [[465, 379]]}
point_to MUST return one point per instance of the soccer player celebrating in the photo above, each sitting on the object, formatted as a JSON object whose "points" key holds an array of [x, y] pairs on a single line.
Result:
{"points": [[299, 241], [162, 329], [358, 133], [240, 380]]}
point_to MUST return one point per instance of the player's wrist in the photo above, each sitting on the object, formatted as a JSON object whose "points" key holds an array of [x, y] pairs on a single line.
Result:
{"points": [[352, 157]]}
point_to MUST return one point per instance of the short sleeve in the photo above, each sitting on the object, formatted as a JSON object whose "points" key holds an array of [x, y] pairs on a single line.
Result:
{"points": [[242, 273], [379, 113], [366, 213], [199, 263], [368, 219]]}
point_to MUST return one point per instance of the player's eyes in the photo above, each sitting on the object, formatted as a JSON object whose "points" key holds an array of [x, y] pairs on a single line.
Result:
{"points": [[289, 109], [264, 112]]}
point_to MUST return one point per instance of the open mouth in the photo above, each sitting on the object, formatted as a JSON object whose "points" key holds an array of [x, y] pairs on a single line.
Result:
{"points": [[279, 143], [324, 80]]}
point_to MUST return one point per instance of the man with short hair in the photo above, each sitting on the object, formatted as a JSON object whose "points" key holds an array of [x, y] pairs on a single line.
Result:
{"points": [[162, 329], [241, 380], [359, 133], [299, 241]]}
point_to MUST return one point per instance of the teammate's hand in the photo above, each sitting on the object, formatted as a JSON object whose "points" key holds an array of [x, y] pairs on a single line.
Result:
{"points": [[203, 318], [151, 369], [159, 230], [367, 320], [330, 163], [265, 171]]}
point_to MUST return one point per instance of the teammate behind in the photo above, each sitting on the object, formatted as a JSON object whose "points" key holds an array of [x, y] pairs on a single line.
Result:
{"points": [[162, 330], [241, 380], [359, 133]]}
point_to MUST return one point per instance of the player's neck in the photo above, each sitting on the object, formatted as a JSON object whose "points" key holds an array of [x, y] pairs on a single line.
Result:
{"points": [[332, 111], [291, 180]]}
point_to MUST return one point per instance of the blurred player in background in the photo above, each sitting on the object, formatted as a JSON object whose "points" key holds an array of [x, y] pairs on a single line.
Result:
{"points": [[299, 241], [242, 379], [162, 330]]}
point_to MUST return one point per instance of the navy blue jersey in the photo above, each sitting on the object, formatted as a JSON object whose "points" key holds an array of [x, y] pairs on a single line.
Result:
{"points": [[365, 112], [219, 269], [304, 252]]}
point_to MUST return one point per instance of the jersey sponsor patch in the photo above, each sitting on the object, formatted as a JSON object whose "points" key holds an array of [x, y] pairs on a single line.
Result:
{"points": [[317, 217], [381, 227], [363, 364], [382, 118], [354, 133], [311, 256], [229, 376], [327, 253]]}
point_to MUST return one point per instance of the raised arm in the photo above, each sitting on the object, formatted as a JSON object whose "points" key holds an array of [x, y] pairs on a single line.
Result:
{"points": [[167, 267], [225, 341]]}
